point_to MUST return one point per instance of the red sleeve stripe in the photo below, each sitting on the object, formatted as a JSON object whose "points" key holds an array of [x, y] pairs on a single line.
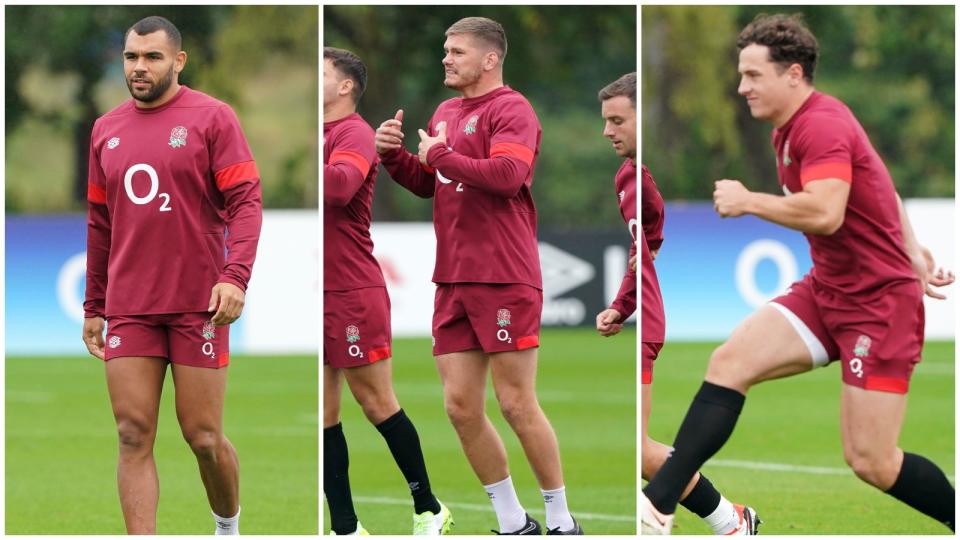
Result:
{"points": [[886, 384], [237, 174], [426, 168], [353, 158], [822, 171], [528, 342], [518, 151], [223, 360], [96, 194]]}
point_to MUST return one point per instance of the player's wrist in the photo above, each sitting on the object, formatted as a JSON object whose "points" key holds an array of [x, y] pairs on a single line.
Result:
{"points": [[752, 204], [435, 152], [390, 155], [226, 280]]}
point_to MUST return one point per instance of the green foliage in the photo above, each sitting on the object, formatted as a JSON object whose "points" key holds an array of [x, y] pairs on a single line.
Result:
{"points": [[892, 65], [558, 57], [64, 68]]}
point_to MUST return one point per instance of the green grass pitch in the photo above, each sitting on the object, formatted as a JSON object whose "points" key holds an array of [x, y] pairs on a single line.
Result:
{"points": [[587, 386], [795, 421], [61, 449]]}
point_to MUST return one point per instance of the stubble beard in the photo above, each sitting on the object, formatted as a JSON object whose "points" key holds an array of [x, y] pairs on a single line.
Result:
{"points": [[155, 91], [464, 79]]}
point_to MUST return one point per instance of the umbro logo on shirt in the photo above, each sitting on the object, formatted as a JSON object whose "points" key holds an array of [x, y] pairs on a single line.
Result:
{"points": [[113, 143]]}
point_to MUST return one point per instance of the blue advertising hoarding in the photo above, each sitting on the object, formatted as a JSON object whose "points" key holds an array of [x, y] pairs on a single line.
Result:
{"points": [[45, 279], [714, 272]]}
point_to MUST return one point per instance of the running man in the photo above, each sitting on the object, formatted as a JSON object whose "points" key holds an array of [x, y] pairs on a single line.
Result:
{"points": [[619, 109], [170, 172], [861, 303], [356, 307], [476, 159]]}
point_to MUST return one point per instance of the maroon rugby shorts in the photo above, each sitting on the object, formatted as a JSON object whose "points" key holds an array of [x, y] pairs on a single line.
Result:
{"points": [[356, 327], [491, 317], [189, 339], [878, 341]]}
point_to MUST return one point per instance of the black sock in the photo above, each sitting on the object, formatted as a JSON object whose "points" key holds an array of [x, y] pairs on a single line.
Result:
{"points": [[336, 482], [703, 499], [922, 485], [706, 428], [404, 444]]}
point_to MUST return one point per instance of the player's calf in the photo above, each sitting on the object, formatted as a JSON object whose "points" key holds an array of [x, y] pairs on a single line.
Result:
{"points": [[923, 486], [372, 387]]}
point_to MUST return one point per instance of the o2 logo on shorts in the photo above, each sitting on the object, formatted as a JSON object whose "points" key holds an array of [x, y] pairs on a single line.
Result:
{"points": [[209, 332], [353, 336], [503, 321], [856, 367], [861, 348], [154, 187]]}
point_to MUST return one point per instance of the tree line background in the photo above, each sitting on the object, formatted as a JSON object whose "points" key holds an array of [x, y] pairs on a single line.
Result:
{"points": [[559, 57], [64, 68], [892, 65]]}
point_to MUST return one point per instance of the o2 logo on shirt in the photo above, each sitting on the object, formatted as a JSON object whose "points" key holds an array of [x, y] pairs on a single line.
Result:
{"points": [[444, 180], [154, 187]]}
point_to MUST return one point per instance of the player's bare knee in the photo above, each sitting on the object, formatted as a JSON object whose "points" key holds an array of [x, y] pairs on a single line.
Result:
{"points": [[379, 408], [726, 367], [462, 412], [136, 435], [518, 411], [873, 468], [205, 443]]}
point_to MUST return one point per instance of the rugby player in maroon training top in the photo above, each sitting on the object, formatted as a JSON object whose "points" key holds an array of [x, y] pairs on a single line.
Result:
{"points": [[618, 107], [861, 303], [476, 159], [356, 307], [170, 173]]}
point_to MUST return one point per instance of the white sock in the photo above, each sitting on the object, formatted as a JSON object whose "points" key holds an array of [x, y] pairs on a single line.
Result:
{"points": [[724, 519], [510, 515], [227, 526], [555, 501]]}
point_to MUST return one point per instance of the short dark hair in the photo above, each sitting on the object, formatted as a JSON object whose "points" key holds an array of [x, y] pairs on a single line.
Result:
{"points": [[787, 38], [153, 24], [351, 66], [624, 86], [486, 30]]}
